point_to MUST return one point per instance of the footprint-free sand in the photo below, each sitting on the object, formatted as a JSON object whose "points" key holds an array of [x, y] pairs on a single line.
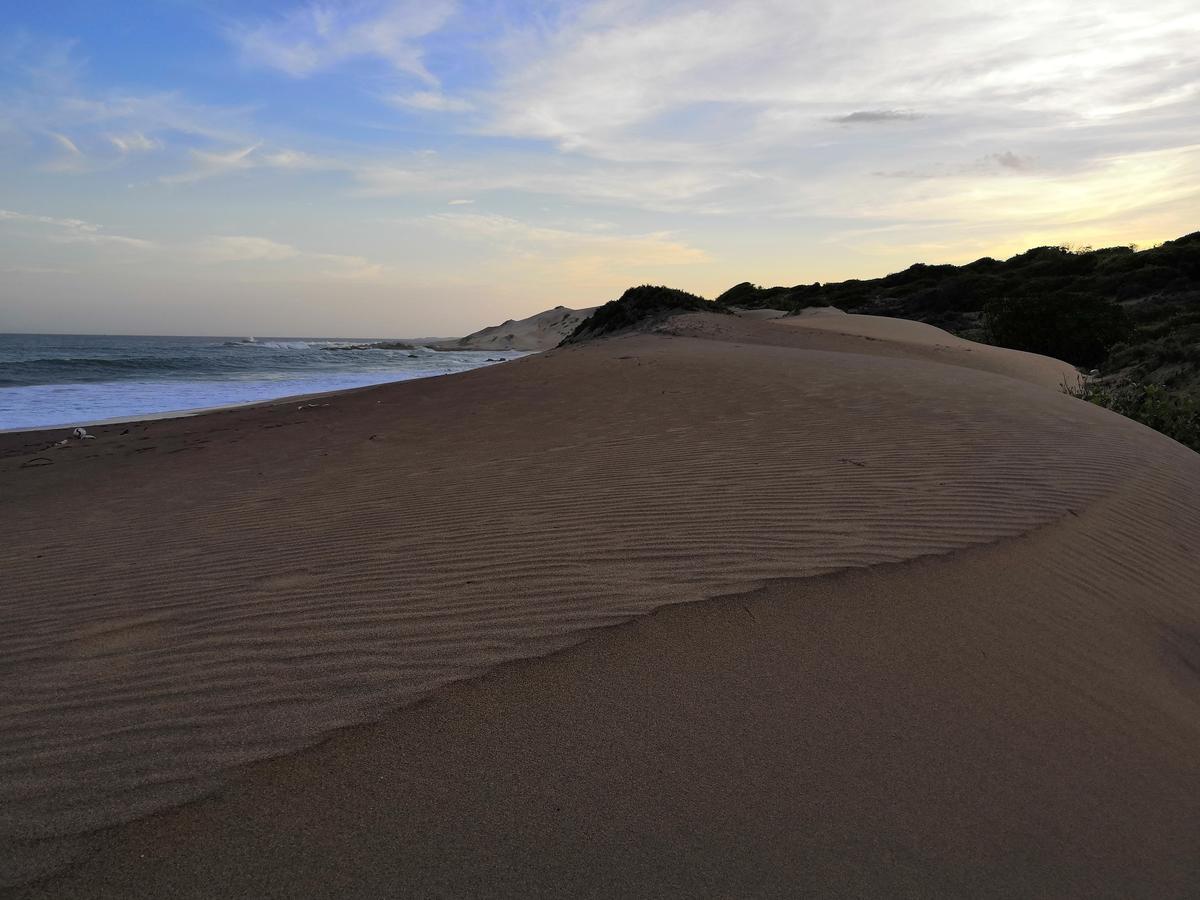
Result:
{"points": [[740, 607]]}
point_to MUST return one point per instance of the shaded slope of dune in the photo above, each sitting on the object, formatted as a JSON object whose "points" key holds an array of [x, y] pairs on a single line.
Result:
{"points": [[324, 565]]}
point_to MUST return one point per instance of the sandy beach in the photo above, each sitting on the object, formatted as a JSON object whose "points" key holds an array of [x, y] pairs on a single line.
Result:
{"points": [[834, 604]]}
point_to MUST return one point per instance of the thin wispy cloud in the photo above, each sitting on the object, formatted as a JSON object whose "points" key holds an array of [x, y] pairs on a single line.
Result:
{"points": [[66, 144], [53, 119], [207, 252], [649, 186], [243, 248], [256, 250], [134, 142], [347, 267], [990, 164], [1010, 160], [68, 158], [876, 117], [315, 37], [69, 230], [215, 163], [431, 101], [510, 233], [563, 256]]}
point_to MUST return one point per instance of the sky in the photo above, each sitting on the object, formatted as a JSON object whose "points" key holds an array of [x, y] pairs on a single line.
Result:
{"points": [[397, 168]]}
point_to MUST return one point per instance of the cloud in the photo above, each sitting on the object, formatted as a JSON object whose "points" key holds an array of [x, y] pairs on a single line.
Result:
{"points": [[1010, 160], [875, 116], [60, 124], [620, 80], [510, 231], [35, 270], [337, 266], [70, 158], [564, 255], [646, 186], [145, 115], [134, 142], [294, 160], [212, 250], [207, 163], [989, 164], [1108, 190], [71, 231], [213, 163], [51, 63], [66, 143], [320, 36], [243, 248], [431, 101]]}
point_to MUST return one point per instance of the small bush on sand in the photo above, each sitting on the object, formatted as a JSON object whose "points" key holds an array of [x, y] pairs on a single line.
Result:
{"points": [[1175, 414]]}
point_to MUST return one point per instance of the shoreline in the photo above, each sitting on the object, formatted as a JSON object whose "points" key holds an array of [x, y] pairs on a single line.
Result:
{"points": [[202, 410], [249, 404]]}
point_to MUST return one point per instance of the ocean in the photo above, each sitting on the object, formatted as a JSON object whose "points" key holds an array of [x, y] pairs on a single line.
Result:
{"points": [[50, 380]]}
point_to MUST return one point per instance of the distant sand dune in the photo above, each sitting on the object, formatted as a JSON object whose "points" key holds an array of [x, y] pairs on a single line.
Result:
{"points": [[253, 579], [542, 331]]}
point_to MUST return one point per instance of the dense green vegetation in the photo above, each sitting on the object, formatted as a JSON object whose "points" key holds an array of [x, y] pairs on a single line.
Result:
{"points": [[1078, 328], [1158, 289], [638, 306], [1175, 413]]}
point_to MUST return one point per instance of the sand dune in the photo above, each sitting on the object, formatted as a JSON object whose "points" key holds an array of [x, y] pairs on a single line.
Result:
{"points": [[826, 328], [972, 668], [542, 331], [763, 313]]}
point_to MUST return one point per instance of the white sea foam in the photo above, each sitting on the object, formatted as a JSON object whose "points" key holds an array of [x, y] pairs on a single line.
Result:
{"points": [[68, 405]]}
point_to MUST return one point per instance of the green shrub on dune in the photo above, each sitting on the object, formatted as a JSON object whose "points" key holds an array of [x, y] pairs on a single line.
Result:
{"points": [[1174, 414], [637, 307]]}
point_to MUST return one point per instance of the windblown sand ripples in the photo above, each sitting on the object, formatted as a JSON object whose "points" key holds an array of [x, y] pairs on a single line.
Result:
{"points": [[169, 615]]}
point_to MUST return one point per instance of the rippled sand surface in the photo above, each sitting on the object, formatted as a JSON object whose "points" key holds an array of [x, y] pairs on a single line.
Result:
{"points": [[181, 598]]}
